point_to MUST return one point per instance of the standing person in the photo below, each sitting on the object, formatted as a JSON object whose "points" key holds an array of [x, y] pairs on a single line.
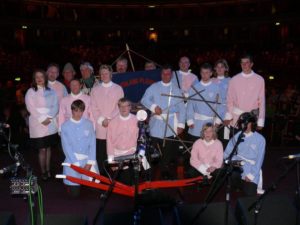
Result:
{"points": [[207, 153], [65, 112], [42, 104], [164, 108], [88, 79], [251, 151], [198, 112], [104, 102], [221, 78], [184, 78], [121, 65], [58, 87], [246, 92], [79, 145], [122, 135], [149, 65], [68, 74]]}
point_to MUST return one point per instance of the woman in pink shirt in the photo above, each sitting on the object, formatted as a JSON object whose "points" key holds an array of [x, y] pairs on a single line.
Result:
{"points": [[42, 104], [207, 153]]}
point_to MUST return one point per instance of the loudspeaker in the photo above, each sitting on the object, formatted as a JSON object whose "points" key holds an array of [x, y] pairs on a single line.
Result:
{"points": [[275, 210], [62, 219], [7, 218], [214, 214]]}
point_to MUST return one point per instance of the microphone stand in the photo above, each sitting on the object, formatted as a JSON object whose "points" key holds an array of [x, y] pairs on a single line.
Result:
{"points": [[104, 197], [257, 204], [137, 210], [223, 175]]}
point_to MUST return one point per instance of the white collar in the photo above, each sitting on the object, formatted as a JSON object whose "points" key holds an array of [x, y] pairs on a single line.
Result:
{"points": [[185, 73], [75, 121], [220, 77], [166, 84], [52, 82], [205, 84], [40, 87], [76, 96], [125, 118], [109, 84], [247, 75], [208, 143], [249, 134]]}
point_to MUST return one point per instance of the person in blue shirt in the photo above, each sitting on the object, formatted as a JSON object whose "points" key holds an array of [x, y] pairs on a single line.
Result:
{"points": [[251, 151], [165, 109], [79, 145]]}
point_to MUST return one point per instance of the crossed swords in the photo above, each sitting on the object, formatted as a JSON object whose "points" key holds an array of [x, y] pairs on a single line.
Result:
{"points": [[166, 121]]}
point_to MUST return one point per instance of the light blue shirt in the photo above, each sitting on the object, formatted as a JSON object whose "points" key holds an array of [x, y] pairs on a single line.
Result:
{"points": [[153, 98], [251, 151], [199, 113], [79, 145]]}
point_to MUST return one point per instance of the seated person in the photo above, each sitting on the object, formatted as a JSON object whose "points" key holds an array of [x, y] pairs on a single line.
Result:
{"points": [[79, 145], [207, 153], [251, 151], [122, 135]]}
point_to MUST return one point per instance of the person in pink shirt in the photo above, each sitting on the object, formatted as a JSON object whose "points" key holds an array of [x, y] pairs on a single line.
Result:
{"points": [[184, 78], [68, 74], [42, 104], [207, 153], [104, 103], [122, 134], [65, 112], [58, 87], [121, 65], [246, 92]]}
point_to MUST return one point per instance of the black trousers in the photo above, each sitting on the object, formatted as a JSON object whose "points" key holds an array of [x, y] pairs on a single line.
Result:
{"points": [[126, 176], [101, 154], [248, 188], [169, 155]]}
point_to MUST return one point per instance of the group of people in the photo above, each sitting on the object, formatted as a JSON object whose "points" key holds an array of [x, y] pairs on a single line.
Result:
{"points": [[95, 122]]}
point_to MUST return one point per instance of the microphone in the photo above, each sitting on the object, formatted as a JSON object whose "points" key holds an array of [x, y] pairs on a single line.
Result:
{"points": [[236, 163], [9, 168], [4, 125], [125, 157], [296, 156]]}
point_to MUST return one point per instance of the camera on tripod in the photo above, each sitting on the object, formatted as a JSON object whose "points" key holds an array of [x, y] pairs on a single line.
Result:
{"points": [[145, 146]]}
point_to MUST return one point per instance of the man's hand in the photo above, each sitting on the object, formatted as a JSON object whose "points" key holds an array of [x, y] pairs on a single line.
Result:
{"points": [[105, 122], [46, 122], [191, 126], [247, 179], [158, 110], [87, 167], [211, 169], [227, 122], [179, 130], [259, 128]]}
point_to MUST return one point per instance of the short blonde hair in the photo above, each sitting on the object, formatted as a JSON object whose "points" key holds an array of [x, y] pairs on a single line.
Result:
{"points": [[105, 67], [205, 127]]}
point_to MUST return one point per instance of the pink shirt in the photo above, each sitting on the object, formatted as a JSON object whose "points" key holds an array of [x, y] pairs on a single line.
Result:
{"points": [[65, 112], [41, 104], [188, 79], [59, 89], [246, 92], [122, 134], [104, 102], [207, 154]]}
